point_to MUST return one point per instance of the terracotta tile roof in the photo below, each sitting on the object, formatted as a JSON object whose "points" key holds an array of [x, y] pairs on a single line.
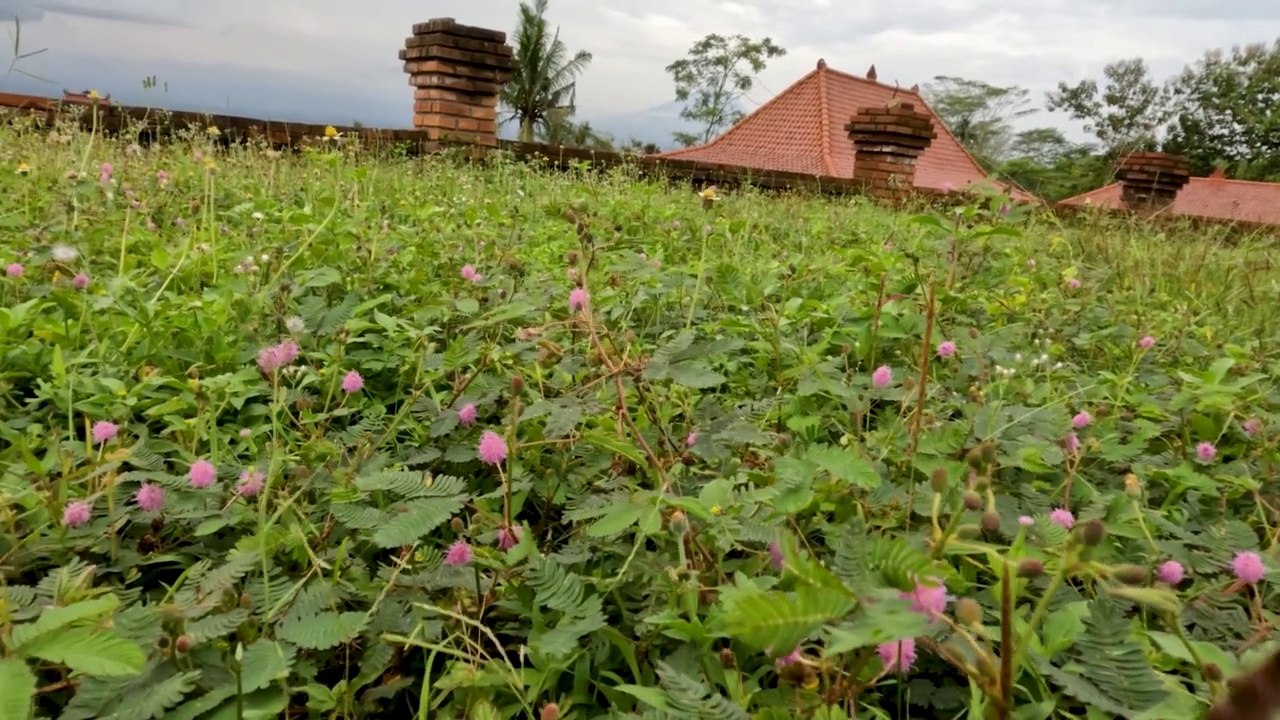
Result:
{"points": [[1213, 197], [801, 129]]}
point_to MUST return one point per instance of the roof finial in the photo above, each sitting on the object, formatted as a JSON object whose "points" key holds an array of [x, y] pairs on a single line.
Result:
{"points": [[915, 88], [822, 64], [871, 74]]}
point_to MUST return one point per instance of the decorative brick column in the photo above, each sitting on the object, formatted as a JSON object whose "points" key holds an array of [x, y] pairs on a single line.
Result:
{"points": [[1151, 180], [886, 143], [457, 72]]}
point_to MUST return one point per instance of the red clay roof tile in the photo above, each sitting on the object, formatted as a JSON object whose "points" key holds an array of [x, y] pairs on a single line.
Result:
{"points": [[1212, 197], [801, 129]]}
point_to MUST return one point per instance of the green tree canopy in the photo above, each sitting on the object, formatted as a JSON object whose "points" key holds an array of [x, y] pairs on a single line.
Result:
{"points": [[544, 79]]}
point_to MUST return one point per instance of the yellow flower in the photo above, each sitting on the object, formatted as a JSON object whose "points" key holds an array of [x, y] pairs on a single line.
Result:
{"points": [[23, 168], [93, 95], [213, 131], [716, 510], [330, 131]]}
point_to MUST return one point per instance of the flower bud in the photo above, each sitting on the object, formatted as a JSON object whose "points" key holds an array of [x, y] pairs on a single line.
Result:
{"points": [[973, 333], [457, 525], [990, 522], [550, 711], [726, 658], [972, 501], [1030, 568], [1132, 486], [968, 611], [517, 384], [988, 449], [1093, 532], [938, 479], [183, 643], [1212, 672], [1131, 574], [974, 457], [679, 524], [968, 531]]}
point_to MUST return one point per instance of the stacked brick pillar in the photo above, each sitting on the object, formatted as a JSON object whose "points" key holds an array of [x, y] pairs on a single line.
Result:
{"points": [[1151, 180], [457, 72], [887, 141]]}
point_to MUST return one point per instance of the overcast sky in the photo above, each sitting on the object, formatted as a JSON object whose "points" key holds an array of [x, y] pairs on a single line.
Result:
{"points": [[329, 51]]}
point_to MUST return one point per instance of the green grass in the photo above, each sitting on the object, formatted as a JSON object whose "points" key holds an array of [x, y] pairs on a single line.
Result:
{"points": [[711, 413]]}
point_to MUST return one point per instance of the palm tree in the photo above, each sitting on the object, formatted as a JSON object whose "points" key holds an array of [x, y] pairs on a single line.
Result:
{"points": [[543, 81]]}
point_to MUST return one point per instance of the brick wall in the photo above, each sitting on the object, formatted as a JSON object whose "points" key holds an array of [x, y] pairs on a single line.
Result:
{"points": [[1151, 180], [456, 72], [887, 141]]}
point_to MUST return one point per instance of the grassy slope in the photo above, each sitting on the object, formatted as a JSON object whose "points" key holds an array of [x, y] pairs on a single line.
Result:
{"points": [[754, 326]]}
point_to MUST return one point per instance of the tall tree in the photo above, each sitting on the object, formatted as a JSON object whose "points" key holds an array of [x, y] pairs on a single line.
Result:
{"points": [[544, 79], [717, 72], [979, 114], [561, 130], [1126, 113], [1226, 109]]}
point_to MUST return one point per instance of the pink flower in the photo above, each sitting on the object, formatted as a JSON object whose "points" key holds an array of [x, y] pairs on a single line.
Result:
{"points": [[1072, 443], [245, 432], [791, 657], [882, 376], [162, 176], [1074, 284], [459, 554], [103, 431], [509, 537], [150, 497], [352, 382], [105, 176], [467, 414], [468, 273], [1252, 426], [578, 298], [493, 449], [15, 270], [898, 656], [76, 513], [1206, 451], [690, 439], [251, 483], [80, 281], [1248, 567], [1170, 572], [775, 556], [1146, 342], [1026, 520], [946, 348], [271, 359], [202, 474], [928, 600], [1062, 517], [1081, 420]]}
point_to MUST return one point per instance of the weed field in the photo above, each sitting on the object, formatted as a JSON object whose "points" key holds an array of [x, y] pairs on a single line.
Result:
{"points": [[340, 434]]}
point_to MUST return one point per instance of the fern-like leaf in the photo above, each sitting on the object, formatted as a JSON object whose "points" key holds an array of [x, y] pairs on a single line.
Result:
{"points": [[1111, 665], [238, 564], [555, 587], [216, 626], [322, 631], [419, 518], [691, 697]]}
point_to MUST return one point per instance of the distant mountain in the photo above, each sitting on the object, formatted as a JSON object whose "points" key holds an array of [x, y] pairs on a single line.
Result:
{"points": [[656, 124]]}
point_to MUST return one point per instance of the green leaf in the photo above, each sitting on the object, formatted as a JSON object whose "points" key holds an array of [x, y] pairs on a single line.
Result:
{"points": [[17, 689], [611, 443], [618, 519], [323, 630], [845, 465], [419, 518], [882, 621], [780, 620], [650, 696], [56, 618], [695, 376], [90, 651]]}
